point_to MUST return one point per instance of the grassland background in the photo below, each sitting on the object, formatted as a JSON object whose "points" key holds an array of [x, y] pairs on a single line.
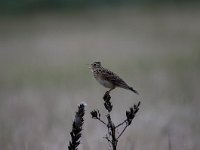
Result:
{"points": [[44, 75]]}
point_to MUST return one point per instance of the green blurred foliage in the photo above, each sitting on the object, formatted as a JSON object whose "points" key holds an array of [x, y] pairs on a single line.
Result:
{"points": [[21, 6]]}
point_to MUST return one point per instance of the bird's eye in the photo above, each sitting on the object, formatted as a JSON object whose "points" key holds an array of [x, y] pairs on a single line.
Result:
{"points": [[94, 64]]}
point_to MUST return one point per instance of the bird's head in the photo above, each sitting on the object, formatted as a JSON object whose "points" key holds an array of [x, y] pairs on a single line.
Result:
{"points": [[95, 65]]}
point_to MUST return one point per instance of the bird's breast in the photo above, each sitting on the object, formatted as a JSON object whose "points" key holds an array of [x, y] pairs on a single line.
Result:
{"points": [[105, 83]]}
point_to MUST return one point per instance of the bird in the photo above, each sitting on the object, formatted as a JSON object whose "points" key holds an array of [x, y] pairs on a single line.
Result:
{"points": [[108, 78]]}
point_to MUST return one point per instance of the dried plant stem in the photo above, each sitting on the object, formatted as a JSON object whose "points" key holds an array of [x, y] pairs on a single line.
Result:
{"points": [[112, 136], [122, 131], [112, 132], [120, 124], [77, 128], [101, 121]]}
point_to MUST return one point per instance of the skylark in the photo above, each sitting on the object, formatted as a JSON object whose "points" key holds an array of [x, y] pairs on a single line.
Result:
{"points": [[108, 79]]}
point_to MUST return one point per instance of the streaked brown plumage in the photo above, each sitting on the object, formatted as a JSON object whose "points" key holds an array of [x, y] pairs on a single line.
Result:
{"points": [[107, 78]]}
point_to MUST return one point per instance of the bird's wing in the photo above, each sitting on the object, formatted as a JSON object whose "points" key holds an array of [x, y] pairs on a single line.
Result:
{"points": [[113, 78]]}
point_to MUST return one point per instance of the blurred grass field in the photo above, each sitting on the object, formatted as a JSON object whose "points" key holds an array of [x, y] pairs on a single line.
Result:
{"points": [[44, 76]]}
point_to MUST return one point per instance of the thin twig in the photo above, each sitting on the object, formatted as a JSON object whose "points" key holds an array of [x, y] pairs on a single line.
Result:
{"points": [[121, 123], [122, 131], [101, 121], [169, 141], [108, 139]]}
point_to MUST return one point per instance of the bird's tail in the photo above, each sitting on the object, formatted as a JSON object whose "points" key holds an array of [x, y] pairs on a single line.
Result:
{"points": [[136, 92]]}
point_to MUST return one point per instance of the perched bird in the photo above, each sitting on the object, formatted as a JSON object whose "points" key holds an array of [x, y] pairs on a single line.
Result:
{"points": [[108, 79]]}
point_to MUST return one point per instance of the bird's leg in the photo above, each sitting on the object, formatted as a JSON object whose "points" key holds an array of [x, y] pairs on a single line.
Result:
{"points": [[110, 90]]}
